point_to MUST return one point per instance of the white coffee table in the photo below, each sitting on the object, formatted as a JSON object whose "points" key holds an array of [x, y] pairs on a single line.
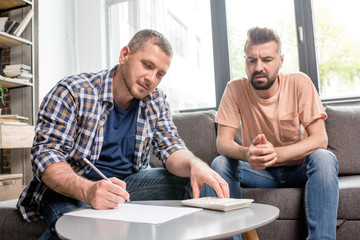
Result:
{"points": [[205, 224]]}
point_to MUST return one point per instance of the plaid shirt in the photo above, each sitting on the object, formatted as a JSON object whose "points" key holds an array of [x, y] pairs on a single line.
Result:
{"points": [[70, 128]]}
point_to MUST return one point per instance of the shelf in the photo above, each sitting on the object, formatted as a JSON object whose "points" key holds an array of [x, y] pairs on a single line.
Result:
{"points": [[13, 83], [10, 4], [9, 40], [10, 186], [16, 136]]}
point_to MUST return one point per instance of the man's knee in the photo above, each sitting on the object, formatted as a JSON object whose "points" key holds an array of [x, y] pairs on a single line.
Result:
{"points": [[218, 163], [324, 159], [323, 166]]}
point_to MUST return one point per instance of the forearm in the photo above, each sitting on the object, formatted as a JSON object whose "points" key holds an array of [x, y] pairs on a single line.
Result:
{"points": [[180, 162], [296, 153], [231, 149], [61, 178]]}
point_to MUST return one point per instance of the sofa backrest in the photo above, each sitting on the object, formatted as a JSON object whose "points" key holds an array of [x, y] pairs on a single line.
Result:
{"points": [[343, 130], [198, 131]]}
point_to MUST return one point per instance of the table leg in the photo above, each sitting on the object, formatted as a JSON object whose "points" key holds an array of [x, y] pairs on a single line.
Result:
{"points": [[251, 235]]}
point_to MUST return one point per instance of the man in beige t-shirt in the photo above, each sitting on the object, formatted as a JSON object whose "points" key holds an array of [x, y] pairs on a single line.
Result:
{"points": [[283, 134]]}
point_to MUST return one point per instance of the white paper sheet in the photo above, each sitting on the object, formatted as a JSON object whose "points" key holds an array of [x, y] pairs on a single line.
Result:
{"points": [[137, 213]]}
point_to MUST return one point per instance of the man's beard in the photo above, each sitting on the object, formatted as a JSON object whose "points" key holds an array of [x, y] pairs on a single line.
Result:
{"points": [[126, 76], [264, 86]]}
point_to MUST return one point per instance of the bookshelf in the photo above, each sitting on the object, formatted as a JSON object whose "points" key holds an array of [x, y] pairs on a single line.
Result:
{"points": [[9, 40], [12, 4], [17, 139]]}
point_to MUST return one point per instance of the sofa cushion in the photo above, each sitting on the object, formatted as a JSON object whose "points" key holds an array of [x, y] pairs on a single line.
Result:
{"points": [[13, 226], [198, 131], [288, 200], [349, 207], [343, 129]]}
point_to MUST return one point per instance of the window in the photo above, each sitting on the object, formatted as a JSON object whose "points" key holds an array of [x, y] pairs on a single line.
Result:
{"points": [[189, 83], [326, 38], [243, 15], [178, 36], [337, 41]]}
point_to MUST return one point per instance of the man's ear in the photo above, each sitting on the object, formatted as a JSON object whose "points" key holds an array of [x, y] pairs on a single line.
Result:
{"points": [[124, 55], [281, 60]]}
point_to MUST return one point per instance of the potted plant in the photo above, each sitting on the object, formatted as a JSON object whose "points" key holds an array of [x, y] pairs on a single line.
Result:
{"points": [[2, 90]]}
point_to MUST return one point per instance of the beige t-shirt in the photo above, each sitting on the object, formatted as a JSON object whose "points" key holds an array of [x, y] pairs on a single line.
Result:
{"points": [[282, 118]]}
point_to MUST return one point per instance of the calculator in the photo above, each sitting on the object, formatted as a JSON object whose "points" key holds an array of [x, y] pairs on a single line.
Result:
{"points": [[219, 204]]}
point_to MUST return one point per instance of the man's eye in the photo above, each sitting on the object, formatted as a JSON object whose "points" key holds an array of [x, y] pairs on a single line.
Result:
{"points": [[146, 65]]}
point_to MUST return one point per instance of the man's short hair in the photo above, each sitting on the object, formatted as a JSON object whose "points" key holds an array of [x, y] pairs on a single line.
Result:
{"points": [[142, 37], [257, 35]]}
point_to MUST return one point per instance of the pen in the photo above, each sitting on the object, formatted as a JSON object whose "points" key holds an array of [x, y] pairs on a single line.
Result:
{"points": [[100, 173]]}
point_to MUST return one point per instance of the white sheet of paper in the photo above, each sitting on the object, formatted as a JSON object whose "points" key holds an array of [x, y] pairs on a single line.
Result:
{"points": [[137, 213]]}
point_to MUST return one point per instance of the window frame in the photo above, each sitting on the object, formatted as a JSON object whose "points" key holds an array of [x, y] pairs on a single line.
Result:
{"points": [[305, 36], [306, 47]]}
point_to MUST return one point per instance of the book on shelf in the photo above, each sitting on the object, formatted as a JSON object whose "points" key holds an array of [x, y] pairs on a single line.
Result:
{"points": [[13, 119], [14, 80], [14, 123], [20, 71], [3, 21], [20, 29], [24, 75], [11, 26], [18, 74], [17, 67], [21, 75]]}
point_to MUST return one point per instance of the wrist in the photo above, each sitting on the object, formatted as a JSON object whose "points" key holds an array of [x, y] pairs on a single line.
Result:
{"points": [[85, 186]]}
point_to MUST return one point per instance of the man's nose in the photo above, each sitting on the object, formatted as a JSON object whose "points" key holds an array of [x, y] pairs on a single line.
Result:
{"points": [[259, 66], [151, 76]]}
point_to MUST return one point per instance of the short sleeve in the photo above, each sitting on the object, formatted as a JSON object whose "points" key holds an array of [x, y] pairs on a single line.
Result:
{"points": [[229, 112], [310, 106]]}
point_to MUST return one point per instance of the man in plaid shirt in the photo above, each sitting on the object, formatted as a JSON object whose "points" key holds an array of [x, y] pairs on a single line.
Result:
{"points": [[112, 118]]}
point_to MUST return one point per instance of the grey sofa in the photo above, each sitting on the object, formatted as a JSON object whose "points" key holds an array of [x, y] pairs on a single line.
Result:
{"points": [[343, 128], [199, 132]]}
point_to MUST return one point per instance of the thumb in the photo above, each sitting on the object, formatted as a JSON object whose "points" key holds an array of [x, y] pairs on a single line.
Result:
{"points": [[263, 139], [256, 140]]}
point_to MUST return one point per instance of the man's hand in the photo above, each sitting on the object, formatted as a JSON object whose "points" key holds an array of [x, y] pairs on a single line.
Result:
{"points": [[183, 163], [61, 178], [201, 173], [107, 195], [261, 153]]}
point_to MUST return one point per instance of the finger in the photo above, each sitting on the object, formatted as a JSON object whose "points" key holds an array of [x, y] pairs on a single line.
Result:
{"points": [[225, 188], [118, 182], [264, 151], [256, 140], [219, 186], [262, 159], [119, 188], [271, 162], [195, 190], [103, 203], [263, 139]]}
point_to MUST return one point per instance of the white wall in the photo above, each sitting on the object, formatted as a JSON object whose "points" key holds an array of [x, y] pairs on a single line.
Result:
{"points": [[70, 40]]}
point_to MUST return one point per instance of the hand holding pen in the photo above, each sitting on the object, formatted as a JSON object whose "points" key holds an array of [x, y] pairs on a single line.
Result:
{"points": [[120, 192]]}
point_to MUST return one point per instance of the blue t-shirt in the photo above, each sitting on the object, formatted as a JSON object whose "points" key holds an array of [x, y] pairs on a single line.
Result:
{"points": [[117, 153]]}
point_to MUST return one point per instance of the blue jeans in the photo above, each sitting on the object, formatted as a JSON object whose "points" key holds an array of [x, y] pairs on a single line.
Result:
{"points": [[318, 175], [147, 184]]}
